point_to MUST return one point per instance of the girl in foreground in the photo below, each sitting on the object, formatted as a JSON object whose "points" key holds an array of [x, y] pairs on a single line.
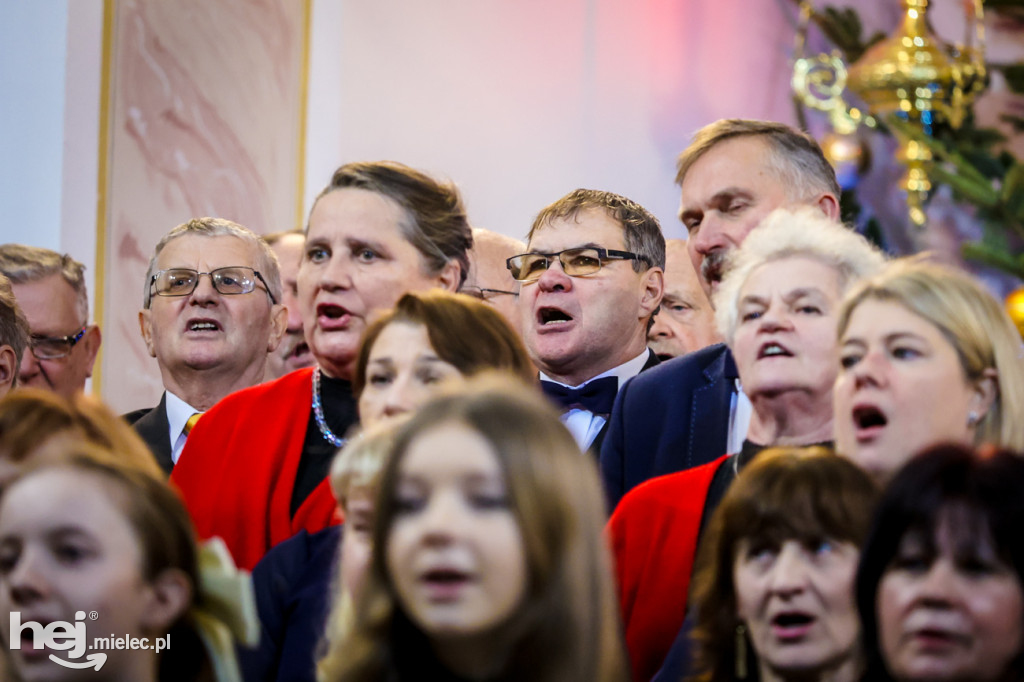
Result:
{"points": [[488, 560], [86, 536]]}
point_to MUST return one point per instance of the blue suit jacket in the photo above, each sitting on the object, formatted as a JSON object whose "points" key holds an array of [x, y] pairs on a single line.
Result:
{"points": [[294, 588], [672, 417]]}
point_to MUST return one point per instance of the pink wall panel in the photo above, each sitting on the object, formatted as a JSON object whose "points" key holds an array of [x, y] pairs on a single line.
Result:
{"points": [[205, 120]]}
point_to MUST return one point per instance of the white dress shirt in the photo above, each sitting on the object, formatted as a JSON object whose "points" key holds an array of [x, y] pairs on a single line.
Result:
{"points": [[740, 411], [178, 413]]}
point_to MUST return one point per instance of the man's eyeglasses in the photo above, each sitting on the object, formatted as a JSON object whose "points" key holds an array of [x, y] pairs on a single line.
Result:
{"points": [[485, 294], [229, 281], [528, 267], [54, 347]]}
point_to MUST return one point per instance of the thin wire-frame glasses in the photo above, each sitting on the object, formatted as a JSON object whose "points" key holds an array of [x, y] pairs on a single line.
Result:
{"points": [[230, 281]]}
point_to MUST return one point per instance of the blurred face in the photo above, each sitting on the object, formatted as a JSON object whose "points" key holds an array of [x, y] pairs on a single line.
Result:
{"points": [[488, 273], [900, 389], [455, 552], [228, 335], [725, 194], [65, 547], [293, 353], [686, 321], [578, 327], [357, 540], [949, 608], [796, 600], [402, 373], [51, 307], [357, 261], [785, 337]]}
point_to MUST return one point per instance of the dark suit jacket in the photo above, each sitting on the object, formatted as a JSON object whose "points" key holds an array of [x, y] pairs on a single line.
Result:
{"points": [[153, 426], [291, 584], [595, 447], [672, 418]]}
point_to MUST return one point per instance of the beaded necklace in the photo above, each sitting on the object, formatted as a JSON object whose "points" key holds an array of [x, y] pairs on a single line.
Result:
{"points": [[318, 412]]}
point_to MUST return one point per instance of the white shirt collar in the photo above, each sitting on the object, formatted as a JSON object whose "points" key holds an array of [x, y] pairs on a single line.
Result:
{"points": [[624, 372]]}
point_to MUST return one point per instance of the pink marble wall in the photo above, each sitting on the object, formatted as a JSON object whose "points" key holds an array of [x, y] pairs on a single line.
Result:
{"points": [[205, 116]]}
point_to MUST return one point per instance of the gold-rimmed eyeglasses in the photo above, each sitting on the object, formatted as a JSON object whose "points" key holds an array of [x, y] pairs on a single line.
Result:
{"points": [[528, 267]]}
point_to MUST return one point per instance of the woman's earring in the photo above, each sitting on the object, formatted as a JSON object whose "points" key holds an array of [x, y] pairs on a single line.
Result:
{"points": [[741, 652], [973, 418]]}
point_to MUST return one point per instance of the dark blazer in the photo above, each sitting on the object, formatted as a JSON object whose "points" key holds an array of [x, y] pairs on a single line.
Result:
{"points": [[595, 447], [293, 584], [153, 426], [672, 418]]}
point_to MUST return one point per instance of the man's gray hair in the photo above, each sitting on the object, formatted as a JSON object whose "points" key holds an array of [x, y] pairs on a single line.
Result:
{"points": [[22, 264], [796, 157], [266, 261], [642, 233], [13, 325], [805, 232]]}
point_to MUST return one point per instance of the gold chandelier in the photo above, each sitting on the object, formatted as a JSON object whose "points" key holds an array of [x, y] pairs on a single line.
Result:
{"points": [[911, 74]]}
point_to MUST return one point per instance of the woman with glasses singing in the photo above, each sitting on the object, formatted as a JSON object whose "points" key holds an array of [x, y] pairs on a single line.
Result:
{"points": [[254, 469]]}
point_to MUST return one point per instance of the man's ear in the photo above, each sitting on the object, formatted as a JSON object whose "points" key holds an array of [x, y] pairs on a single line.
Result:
{"points": [[450, 277], [146, 327], [170, 594], [278, 325], [652, 290], [986, 390], [829, 205], [92, 340], [8, 368]]}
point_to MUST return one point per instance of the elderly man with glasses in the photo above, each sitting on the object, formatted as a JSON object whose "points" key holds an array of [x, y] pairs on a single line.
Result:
{"points": [[590, 282], [211, 312], [50, 290]]}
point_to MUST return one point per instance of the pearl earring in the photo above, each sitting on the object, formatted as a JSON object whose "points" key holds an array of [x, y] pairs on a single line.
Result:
{"points": [[973, 418]]}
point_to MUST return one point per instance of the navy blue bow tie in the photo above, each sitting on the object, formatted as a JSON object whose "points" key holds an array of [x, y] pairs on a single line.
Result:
{"points": [[597, 396]]}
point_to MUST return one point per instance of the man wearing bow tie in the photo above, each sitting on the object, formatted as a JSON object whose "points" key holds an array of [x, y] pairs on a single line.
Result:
{"points": [[590, 282]]}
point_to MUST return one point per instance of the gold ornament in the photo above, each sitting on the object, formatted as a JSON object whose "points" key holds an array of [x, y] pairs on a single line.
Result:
{"points": [[1015, 307], [911, 73]]}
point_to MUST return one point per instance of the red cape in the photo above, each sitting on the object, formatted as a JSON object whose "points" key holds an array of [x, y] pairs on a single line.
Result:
{"points": [[653, 534], [238, 469]]}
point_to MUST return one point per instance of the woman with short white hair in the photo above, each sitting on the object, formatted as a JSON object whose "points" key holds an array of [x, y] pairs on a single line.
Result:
{"points": [[777, 307]]}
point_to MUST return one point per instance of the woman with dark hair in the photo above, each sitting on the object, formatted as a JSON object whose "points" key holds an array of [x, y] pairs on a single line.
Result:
{"points": [[488, 558], [254, 468], [940, 588], [773, 584], [83, 536], [426, 339]]}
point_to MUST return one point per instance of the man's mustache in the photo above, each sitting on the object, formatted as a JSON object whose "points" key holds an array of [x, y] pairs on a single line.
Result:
{"points": [[712, 267]]}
